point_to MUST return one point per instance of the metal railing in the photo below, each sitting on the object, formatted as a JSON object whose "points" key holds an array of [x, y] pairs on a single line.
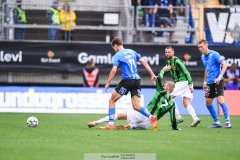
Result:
{"points": [[91, 26]]}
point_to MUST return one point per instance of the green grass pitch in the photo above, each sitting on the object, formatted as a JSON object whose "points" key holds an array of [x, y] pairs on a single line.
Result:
{"points": [[67, 137]]}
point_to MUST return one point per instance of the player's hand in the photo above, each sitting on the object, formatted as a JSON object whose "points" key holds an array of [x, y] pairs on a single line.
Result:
{"points": [[153, 79], [107, 86], [154, 83], [191, 89], [168, 68], [217, 81], [121, 127], [204, 86]]}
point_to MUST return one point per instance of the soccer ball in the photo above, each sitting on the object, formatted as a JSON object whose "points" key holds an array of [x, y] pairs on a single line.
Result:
{"points": [[32, 122]]}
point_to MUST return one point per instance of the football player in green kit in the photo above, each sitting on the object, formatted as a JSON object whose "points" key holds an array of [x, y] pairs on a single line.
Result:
{"points": [[161, 104], [183, 82]]}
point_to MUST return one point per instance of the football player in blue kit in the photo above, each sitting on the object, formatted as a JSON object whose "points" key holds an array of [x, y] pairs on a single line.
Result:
{"points": [[127, 60], [213, 84]]}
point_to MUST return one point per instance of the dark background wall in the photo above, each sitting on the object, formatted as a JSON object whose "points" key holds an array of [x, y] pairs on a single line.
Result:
{"points": [[61, 63]]}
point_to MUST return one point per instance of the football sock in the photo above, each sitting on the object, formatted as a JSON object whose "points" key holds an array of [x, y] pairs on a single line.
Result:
{"points": [[145, 112], [225, 111], [213, 113], [106, 119], [191, 111], [111, 114], [177, 113]]}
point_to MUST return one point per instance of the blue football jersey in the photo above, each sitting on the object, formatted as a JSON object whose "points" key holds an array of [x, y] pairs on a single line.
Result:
{"points": [[127, 59], [212, 64]]}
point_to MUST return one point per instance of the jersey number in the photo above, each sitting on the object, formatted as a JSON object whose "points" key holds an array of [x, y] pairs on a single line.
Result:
{"points": [[164, 104], [132, 64]]}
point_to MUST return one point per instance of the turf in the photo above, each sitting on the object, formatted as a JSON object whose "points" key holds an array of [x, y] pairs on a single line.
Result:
{"points": [[67, 137]]}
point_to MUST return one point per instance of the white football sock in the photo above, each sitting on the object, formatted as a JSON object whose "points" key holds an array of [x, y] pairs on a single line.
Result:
{"points": [[177, 113], [106, 119], [191, 111]]}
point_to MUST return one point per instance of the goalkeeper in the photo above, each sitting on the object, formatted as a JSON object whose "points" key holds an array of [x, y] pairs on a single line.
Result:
{"points": [[161, 104]]}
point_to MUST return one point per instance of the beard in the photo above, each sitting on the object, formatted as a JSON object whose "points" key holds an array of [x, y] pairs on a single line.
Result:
{"points": [[169, 57]]}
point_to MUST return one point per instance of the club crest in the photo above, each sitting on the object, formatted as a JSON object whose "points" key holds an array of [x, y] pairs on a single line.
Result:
{"points": [[173, 67]]}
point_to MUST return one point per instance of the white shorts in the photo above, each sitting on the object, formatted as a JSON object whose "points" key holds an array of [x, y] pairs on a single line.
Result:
{"points": [[182, 90], [137, 120]]}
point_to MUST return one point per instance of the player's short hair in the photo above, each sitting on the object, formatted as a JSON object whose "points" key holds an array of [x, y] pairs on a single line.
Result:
{"points": [[117, 41], [170, 85], [203, 41], [170, 47]]}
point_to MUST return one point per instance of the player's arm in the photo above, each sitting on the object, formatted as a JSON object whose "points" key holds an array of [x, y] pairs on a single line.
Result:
{"points": [[159, 85], [205, 80], [185, 71], [218, 59], [160, 76], [164, 71], [224, 68], [145, 64], [124, 127], [110, 77]]}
